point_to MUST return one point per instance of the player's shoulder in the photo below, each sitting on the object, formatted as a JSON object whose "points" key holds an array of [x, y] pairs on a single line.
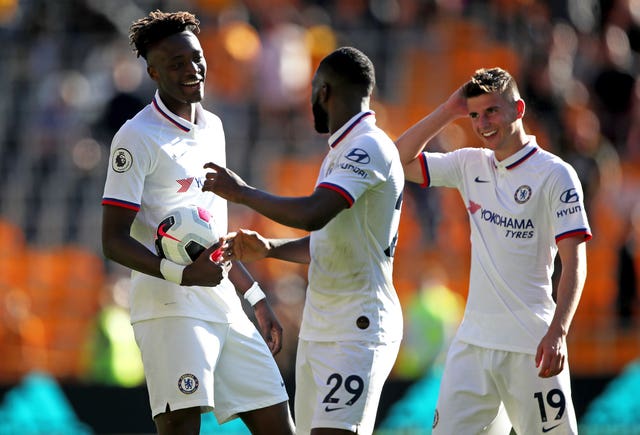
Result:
{"points": [[210, 117], [141, 121], [552, 162], [471, 154], [376, 142]]}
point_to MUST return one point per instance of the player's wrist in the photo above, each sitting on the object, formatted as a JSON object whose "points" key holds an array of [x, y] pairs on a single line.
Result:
{"points": [[171, 271], [254, 294]]}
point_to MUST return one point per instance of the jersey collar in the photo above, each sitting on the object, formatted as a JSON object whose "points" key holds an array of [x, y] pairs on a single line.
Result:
{"points": [[519, 157], [343, 131], [174, 119]]}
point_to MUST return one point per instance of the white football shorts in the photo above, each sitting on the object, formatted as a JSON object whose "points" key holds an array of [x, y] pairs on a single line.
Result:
{"points": [[338, 384], [487, 391], [191, 362]]}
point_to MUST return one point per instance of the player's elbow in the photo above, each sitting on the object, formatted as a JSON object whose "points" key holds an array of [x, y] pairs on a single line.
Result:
{"points": [[315, 224], [107, 248], [110, 247], [315, 219]]}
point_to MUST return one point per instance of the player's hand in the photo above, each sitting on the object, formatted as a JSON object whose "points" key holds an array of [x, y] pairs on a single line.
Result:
{"points": [[551, 354], [204, 271], [223, 182], [270, 328], [456, 104], [246, 246]]}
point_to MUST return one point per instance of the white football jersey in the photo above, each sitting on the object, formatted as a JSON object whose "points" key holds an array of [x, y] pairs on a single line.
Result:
{"points": [[518, 209], [351, 294], [156, 164]]}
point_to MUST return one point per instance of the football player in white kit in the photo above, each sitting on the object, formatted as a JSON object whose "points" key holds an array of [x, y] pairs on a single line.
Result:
{"points": [[199, 349], [352, 321], [508, 363]]}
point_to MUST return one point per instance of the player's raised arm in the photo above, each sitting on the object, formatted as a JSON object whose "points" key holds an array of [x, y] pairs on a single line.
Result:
{"points": [[411, 143]]}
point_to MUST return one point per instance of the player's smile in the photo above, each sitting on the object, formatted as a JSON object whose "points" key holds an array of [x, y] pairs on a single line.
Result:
{"points": [[488, 133], [193, 89]]}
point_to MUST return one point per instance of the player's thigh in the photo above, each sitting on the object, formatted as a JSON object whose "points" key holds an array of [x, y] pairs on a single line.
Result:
{"points": [[538, 405], [338, 384], [179, 355], [246, 377], [468, 401]]}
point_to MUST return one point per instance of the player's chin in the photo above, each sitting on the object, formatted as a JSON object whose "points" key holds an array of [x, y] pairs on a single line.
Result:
{"points": [[193, 94]]}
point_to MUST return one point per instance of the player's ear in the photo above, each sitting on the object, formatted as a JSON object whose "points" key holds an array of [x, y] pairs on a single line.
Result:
{"points": [[520, 108], [153, 73], [325, 91]]}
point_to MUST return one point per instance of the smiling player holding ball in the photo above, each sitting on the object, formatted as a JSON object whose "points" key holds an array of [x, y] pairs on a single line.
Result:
{"points": [[199, 349]]}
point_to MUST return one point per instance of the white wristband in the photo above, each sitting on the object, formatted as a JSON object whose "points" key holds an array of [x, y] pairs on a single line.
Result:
{"points": [[171, 271], [254, 294]]}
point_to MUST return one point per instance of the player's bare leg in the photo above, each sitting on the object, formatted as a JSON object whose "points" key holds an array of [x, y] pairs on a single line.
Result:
{"points": [[180, 422], [269, 420]]}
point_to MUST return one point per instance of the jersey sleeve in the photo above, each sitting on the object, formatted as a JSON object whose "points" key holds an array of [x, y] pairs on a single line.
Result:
{"points": [[360, 167], [129, 161], [569, 216], [442, 169]]}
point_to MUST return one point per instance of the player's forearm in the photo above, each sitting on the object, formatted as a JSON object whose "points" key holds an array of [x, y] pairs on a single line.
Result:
{"points": [[299, 212], [240, 277], [570, 287], [293, 250], [411, 143], [132, 254]]}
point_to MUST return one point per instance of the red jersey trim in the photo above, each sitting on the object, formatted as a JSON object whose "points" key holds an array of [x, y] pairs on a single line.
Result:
{"points": [[169, 118], [575, 233], [120, 203], [346, 195], [425, 170]]}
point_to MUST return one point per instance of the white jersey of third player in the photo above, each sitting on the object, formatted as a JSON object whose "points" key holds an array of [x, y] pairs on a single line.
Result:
{"points": [[350, 294], [156, 164], [518, 209]]}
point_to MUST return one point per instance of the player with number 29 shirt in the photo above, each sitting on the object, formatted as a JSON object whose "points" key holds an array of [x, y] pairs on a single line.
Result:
{"points": [[352, 321]]}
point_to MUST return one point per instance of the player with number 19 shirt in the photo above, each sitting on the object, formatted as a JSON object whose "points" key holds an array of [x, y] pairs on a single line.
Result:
{"points": [[518, 209], [507, 366]]}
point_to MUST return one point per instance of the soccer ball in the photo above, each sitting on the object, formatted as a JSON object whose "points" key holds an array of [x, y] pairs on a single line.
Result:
{"points": [[184, 234]]}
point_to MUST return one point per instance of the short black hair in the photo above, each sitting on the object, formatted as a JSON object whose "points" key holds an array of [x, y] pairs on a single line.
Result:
{"points": [[352, 66], [489, 81], [147, 31]]}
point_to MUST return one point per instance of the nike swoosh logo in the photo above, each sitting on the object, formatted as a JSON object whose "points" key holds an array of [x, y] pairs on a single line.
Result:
{"points": [[328, 409], [163, 233], [478, 180], [549, 429]]}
